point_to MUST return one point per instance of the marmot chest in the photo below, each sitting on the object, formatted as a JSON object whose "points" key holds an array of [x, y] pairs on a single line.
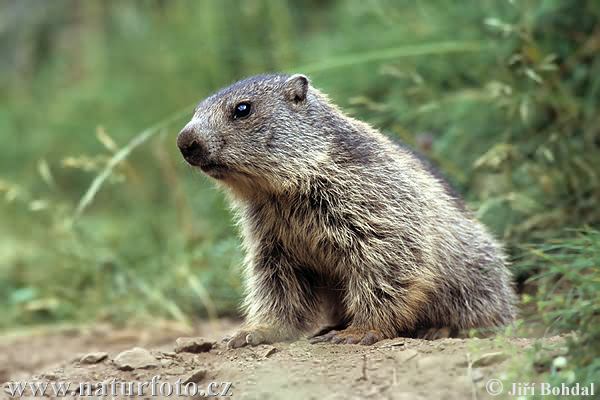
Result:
{"points": [[305, 234]]}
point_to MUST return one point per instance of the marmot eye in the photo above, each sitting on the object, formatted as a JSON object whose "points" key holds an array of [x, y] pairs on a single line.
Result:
{"points": [[241, 110]]}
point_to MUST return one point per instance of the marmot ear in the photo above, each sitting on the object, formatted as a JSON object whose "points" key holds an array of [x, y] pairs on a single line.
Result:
{"points": [[296, 87]]}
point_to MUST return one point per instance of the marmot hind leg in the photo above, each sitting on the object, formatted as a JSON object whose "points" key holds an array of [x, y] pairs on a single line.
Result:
{"points": [[350, 335], [374, 318], [436, 333]]}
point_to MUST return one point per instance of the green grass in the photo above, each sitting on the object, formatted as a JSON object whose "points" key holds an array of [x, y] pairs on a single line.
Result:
{"points": [[567, 299]]}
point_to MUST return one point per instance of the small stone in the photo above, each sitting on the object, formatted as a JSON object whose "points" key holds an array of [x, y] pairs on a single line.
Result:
{"points": [[489, 359], [269, 352], [196, 376], [134, 359], [193, 345], [171, 354], [559, 362], [165, 363], [476, 375], [93, 358], [49, 376], [397, 343]]}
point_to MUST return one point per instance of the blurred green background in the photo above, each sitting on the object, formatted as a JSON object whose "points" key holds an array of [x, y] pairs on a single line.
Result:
{"points": [[504, 96]]}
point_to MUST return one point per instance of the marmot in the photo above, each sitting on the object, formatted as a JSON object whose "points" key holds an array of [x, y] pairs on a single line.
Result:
{"points": [[341, 225]]}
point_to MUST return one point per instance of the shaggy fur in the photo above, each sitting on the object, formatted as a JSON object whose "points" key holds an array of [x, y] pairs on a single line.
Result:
{"points": [[340, 225]]}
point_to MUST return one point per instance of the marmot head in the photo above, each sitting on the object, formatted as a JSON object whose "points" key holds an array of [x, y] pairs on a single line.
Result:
{"points": [[263, 132]]}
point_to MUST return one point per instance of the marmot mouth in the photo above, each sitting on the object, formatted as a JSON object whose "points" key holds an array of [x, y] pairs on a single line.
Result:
{"points": [[214, 170]]}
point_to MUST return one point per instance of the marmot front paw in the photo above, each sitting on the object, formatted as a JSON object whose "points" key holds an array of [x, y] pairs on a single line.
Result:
{"points": [[251, 337]]}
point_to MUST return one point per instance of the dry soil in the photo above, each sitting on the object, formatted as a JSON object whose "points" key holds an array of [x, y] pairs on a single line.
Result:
{"points": [[395, 369]]}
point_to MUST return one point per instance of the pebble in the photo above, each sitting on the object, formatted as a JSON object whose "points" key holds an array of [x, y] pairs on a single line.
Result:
{"points": [[196, 376], [134, 359], [49, 376], [397, 343], [476, 375], [269, 352], [93, 358]]}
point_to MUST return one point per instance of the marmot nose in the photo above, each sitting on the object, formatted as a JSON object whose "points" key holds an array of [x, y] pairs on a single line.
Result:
{"points": [[191, 147]]}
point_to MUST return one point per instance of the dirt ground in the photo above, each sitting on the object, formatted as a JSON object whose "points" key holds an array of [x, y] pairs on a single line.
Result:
{"points": [[395, 369]]}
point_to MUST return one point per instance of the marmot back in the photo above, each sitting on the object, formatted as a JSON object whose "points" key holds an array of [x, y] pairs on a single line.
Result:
{"points": [[341, 227]]}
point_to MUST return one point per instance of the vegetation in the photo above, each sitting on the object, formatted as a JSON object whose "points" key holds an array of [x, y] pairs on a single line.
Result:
{"points": [[502, 95], [567, 300]]}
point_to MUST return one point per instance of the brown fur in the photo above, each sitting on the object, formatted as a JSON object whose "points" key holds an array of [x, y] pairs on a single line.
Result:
{"points": [[339, 224]]}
